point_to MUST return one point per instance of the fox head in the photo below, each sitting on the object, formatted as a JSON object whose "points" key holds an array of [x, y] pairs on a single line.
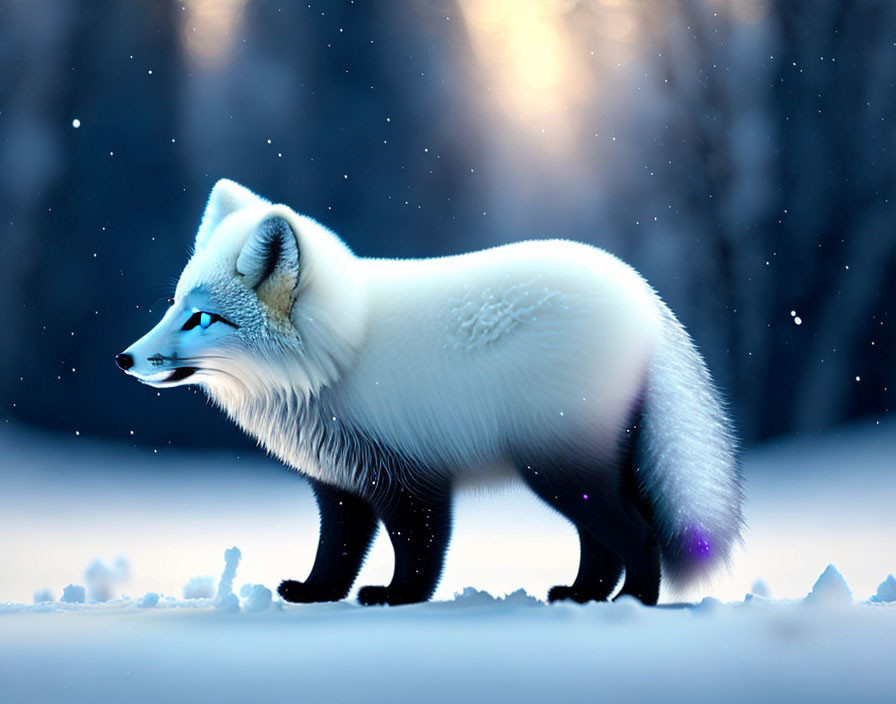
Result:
{"points": [[269, 302]]}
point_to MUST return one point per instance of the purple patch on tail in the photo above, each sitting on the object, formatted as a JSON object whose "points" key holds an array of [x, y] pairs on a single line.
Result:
{"points": [[697, 544]]}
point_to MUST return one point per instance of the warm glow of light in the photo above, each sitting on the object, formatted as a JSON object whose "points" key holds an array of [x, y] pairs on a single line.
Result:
{"points": [[527, 58], [540, 63], [746, 11], [619, 27], [750, 11], [209, 29]]}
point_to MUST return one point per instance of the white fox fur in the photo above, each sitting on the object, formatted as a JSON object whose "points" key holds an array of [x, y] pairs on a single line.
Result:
{"points": [[458, 364]]}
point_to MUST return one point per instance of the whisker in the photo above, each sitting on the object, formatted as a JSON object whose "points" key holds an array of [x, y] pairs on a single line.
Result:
{"points": [[163, 299]]}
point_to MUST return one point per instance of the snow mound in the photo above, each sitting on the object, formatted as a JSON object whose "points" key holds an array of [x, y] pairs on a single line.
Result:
{"points": [[73, 594], [886, 592], [521, 598], [102, 578], [708, 605], [149, 600], [471, 596], [200, 588], [760, 588], [257, 597], [225, 586], [830, 589], [225, 599], [43, 595], [229, 602]]}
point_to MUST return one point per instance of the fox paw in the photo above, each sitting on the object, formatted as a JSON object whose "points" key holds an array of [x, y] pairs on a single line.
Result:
{"points": [[581, 596], [373, 596], [378, 596], [303, 593]]}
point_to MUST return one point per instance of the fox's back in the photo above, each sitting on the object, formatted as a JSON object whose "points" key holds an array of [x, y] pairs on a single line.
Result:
{"points": [[538, 342]]}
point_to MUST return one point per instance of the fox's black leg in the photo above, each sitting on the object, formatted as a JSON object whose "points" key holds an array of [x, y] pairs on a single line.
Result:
{"points": [[419, 527], [642, 566], [595, 500], [599, 572], [347, 527]]}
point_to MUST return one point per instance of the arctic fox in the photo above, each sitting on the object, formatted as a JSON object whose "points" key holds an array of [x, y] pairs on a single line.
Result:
{"points": [[388, 382]]}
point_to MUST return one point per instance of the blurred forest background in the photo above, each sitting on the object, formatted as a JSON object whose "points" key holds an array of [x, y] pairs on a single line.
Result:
{"points": [[739, 153]]}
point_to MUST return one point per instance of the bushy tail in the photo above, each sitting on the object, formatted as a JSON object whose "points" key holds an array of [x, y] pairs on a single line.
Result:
{"points": [[686, 459]]}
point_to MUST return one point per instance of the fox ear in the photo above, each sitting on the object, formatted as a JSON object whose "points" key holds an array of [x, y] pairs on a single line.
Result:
{"points": [[271, 253], [226, 197]]}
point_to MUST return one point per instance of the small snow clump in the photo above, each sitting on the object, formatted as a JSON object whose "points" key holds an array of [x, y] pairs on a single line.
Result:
{"points": [[760, 588], [258, 597], [149, 600], [230, 602], [225, 599], [199, 588], [471, 596], [42, 595], [521, 598], [830, 589], [101, 578], [707, 605], [73, 594], [886, 592]]}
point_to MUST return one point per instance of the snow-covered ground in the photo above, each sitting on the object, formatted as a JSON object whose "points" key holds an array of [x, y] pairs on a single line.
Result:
{"points": [[155, 521], [452, 652]]}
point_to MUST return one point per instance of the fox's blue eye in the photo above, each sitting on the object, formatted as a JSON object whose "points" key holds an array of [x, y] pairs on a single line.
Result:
{"points": [[199, 318], [202, 319]]}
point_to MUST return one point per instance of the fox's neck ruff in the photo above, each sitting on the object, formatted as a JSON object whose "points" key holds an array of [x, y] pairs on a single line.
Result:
{"points": [[284, 402], [276, 392], [304, 430]]}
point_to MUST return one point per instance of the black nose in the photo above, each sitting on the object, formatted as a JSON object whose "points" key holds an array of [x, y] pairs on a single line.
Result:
{"points": [[124, 361]]}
